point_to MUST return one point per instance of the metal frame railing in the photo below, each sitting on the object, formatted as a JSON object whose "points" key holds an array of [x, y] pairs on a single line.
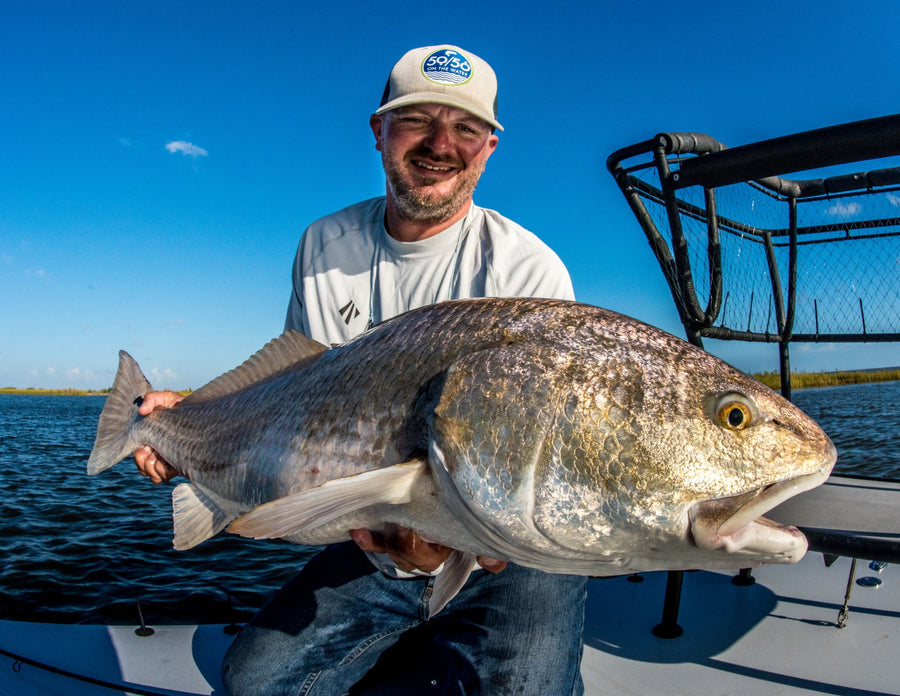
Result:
{"points": [[690, 172]]}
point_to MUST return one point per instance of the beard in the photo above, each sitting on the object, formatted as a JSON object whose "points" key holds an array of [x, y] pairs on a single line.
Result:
{"points": [[418, 203]]}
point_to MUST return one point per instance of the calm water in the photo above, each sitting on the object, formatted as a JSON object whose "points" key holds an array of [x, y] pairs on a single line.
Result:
{"points": [[83, 549]]}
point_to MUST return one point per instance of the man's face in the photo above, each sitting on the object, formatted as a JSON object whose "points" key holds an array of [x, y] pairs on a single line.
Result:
{"points": [[433, 156]]}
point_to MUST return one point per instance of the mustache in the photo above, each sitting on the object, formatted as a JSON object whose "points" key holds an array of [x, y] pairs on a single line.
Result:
{"points": [[423, 152]]}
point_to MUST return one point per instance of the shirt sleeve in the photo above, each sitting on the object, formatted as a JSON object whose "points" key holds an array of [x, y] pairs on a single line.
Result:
{"points": [[538, 275], [294, 319], [520, 264]]}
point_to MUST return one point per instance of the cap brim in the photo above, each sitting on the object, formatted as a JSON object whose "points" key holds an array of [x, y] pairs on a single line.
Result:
{"points": [[438, 98]]}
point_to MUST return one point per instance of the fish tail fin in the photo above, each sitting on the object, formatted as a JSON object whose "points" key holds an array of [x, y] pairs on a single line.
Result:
{"points": [[119, 414]]}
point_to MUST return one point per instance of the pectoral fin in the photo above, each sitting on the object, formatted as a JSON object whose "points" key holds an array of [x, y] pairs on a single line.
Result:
{"points": [[317, 506], [197, 515]]}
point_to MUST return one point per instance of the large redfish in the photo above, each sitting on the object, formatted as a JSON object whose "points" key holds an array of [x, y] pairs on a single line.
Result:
{"points": [[552, 434]]}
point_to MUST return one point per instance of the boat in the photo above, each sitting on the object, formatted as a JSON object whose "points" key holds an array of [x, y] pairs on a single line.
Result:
{"points": [[828, 624], [808, 628]]}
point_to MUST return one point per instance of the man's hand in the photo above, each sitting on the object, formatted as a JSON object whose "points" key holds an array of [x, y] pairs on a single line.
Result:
{"points": [[410, 552], [149, 463]]}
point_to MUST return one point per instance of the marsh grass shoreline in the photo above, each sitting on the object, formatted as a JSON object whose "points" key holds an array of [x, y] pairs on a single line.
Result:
{"points": [[66, 392], [807, 380], [799, 380]]}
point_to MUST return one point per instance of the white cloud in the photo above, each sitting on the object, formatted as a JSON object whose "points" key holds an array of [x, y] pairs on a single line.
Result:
{"points": [[165, 376], [186, 148], [894, 199], [844, 209], [816, 347]]}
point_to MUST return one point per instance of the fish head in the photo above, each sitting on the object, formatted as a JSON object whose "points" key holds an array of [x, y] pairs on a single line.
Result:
{"points": [[675, 456], [596, 444], [769, 451]]}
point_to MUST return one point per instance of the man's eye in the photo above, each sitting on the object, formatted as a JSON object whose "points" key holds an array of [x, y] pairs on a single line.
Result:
{"points": [[468, 130]]}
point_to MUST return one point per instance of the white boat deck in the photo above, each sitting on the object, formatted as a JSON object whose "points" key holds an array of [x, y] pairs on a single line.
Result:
{"points": [[778, 636], [93, 660]]}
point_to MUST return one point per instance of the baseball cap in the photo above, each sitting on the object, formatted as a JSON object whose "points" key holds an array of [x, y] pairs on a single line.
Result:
{"points": [[443, 75]]}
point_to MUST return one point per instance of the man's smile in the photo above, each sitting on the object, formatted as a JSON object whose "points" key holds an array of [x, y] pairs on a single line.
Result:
{"points": [[433, 167]]}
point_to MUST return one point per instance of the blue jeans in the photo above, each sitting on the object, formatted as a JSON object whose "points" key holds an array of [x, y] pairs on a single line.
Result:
{"points": [[342, 627]]}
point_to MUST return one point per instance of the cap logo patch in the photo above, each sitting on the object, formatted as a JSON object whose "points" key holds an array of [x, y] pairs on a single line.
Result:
{"points": [[447, 67]]}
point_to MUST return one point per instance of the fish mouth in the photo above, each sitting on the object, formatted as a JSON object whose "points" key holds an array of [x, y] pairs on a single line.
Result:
{"points": [[735, 524]]}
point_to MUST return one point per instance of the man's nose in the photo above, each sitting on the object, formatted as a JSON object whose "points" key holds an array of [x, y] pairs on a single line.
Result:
{"points": [[440, 137]]}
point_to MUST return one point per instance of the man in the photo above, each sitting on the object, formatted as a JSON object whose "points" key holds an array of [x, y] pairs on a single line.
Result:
{"points": [[358, 623]]}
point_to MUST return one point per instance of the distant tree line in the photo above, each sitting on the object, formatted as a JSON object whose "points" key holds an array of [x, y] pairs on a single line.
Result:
{"points": [[55, 392]]}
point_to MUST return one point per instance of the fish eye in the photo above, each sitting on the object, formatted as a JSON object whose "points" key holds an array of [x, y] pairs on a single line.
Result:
{"points": [[735, 411]]}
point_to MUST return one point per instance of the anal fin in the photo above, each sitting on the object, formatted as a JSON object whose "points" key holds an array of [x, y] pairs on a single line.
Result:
{"points": [[197, 516], [312, 508]]}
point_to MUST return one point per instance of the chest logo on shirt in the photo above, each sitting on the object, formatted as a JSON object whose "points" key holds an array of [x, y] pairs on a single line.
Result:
{"points": [[349, 312]]}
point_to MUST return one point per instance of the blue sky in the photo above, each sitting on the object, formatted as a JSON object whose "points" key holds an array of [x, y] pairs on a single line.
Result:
{"points": [[161, 159]]}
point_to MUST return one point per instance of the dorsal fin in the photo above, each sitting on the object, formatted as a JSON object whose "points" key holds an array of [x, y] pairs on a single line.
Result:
{"points": [[290, 350]]}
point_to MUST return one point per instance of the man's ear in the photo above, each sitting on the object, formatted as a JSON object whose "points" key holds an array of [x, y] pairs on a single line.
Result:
{"points": [[376, 123], [492, 144]]}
